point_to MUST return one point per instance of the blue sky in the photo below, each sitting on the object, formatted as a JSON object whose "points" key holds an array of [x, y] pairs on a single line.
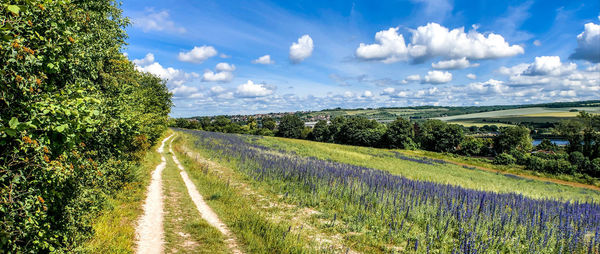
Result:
{"points": [[230, 57]]}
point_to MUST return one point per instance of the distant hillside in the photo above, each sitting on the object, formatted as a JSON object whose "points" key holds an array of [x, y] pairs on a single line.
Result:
{"points": [[417, 112]]}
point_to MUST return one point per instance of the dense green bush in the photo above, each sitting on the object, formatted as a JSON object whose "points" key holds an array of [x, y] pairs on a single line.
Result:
{"points": [[504, 159], [75, 116], [438, 136]]}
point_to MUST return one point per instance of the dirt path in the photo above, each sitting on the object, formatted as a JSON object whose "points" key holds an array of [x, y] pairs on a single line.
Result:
{"points": [[205, 211], [149, 232]]}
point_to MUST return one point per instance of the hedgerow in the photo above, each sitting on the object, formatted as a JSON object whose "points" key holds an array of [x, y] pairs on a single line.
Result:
{"points": [[75, 116]]}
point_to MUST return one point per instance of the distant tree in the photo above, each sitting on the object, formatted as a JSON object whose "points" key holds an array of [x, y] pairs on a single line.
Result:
{"points": [[321, 131], [572, 130], [290, 126], [251, 123], [221, 123], [546, 145], [268, 123], [359, 130], [400, 134], [205, 123], [306, 133], [335, 127], [438, 136], [472, 146], [514, 137], [182, 123]]}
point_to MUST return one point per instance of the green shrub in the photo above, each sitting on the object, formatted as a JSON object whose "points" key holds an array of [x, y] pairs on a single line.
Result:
{"points": [[75, 116], [504, 159]]}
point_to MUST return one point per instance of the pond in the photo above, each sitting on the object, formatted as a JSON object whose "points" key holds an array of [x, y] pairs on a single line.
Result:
{"points": [[559, 142]]}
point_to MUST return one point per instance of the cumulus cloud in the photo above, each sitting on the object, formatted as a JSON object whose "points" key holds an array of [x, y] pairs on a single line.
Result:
{"points": [[197, 54], [148, 59], [173, 76], [217, 76], [453, 64], [537, 43], [389, 47], [549, 65], [489, 87], [471, 76], [225, 67], [302, 49], [437, 77], [156, 21], [588, 44], [367, 93], [434, 40], [223, 73], [266, 59], [251, 90]]}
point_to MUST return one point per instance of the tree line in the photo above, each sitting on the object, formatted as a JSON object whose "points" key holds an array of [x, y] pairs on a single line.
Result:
{"points": [[510, 145], [75, 119]]}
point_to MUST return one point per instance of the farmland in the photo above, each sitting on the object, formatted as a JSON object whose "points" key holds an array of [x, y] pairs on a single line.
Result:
{"points": [[521, 115], [351, 199]]}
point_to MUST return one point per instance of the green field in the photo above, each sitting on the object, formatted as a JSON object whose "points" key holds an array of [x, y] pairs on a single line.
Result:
{"points": [[517, 116], [444, 173], [243, 178]]}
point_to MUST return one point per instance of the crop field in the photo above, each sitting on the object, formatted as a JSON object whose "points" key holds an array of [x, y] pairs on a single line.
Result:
{"points": [[351, 199], [520, 115]]}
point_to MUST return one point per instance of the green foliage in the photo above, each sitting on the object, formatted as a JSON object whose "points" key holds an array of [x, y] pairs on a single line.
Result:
{"points": [[321, 131], [268, 123], [360, 131], [547, 145], [75, 115], [513, 138], [400, 134], [504, 159], [290, 126], [438, 136]]}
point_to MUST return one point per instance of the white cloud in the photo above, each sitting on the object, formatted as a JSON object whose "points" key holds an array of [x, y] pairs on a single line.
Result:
{"points": [[223, 73], [367, 93], [388, 91], [588, 44], [222, 55], [217, 89], [157, 21], [302, 49], [390, 47], [434, 40], [549, 65], [348, 94], [412, 78], [225, 67], [249, 90], [453, 64], [471, 76], [489, 87], [266, 59], [197, 54], [537, 43], [148, 59], [437, 77], [222, 76], [173, 76]]}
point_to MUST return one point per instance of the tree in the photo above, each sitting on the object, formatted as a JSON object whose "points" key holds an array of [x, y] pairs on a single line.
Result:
{"points": [[438, 136], [335, 126], [400, 134], [472, 146], [321, 131], [546, 145], [75, 115], [514, 137], [268, 123], [358, 130], [572, 130], [290, 126]]}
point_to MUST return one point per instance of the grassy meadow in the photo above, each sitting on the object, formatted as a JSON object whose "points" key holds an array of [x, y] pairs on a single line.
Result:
{"points": [[447, 173], [298, 196], [519, 115]]}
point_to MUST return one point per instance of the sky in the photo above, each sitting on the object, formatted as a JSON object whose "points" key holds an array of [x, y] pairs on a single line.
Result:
{"points": [[248, 57]]}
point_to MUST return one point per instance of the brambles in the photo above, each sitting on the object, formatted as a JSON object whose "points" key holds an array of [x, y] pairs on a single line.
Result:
{"points": [[387, 209]]}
